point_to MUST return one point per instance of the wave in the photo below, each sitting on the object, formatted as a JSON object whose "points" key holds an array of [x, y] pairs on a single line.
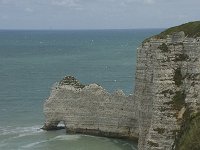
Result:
{"points": [[13, 135], [133, 147], [59, 137], [20, 130], [66, 137], [34, 144], [10, 133], [130, 145]]}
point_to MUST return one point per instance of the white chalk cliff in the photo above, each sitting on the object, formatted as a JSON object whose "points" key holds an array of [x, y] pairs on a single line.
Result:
{"points": [[90, 109], [167, 89]]}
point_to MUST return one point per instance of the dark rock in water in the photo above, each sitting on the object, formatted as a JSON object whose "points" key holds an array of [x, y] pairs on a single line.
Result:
{"points": [[49, 128], [53, 126]]}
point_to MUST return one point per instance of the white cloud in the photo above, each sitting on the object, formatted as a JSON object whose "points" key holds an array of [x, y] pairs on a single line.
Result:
{"points": [[129, 2], [66, 3], [96, 13]]}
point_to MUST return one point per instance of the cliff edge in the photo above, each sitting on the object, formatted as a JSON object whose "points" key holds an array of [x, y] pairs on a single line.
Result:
{"points": [[167, 86], [90, 109], [164, 110]]}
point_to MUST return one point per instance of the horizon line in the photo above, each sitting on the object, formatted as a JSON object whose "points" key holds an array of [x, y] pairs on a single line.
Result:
{"points": [[32, 29]]}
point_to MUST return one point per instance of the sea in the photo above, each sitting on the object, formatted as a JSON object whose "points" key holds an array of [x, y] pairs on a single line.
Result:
{"points": [[31, 61]]}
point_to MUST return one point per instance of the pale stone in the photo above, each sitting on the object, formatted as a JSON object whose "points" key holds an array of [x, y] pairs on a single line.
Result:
{"points": [[150, 112]]}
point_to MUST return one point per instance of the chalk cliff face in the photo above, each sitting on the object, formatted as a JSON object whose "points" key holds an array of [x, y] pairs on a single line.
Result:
{"points": [[167, 86], [91, 110], [166, 94]]}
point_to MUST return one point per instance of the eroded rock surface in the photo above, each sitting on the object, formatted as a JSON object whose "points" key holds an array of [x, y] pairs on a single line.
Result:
{"points": [[90, 109], [167, 86], [166, 94]]}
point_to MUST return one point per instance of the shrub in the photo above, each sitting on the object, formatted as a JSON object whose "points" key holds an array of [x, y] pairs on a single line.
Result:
{"points": [[179, 100], [163, 47], [178, 77], [190, 139]]}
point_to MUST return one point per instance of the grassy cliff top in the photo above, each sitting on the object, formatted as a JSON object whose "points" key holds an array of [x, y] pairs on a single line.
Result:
{"points": [[191, 29]]}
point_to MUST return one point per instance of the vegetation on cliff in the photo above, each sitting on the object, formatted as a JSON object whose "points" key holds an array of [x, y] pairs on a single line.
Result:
{"points": [[163, 47], [178, 77], [181, 57], [190, 139], [191, 29]]}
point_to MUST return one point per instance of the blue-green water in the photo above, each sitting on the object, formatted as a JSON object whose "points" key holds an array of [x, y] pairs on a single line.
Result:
{"points": [[31, 61]]}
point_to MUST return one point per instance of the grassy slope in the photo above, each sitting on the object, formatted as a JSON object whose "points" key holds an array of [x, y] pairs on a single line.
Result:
{"points": [[191, 29], [190, 140]]}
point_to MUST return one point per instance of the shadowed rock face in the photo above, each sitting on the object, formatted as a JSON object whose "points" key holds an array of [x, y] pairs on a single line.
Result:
{"points": [[90, 110], [167, 86]]}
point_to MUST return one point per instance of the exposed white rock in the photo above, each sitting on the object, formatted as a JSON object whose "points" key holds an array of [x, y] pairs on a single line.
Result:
{"points": [[166, 86], [90, 110], [167, 83]]}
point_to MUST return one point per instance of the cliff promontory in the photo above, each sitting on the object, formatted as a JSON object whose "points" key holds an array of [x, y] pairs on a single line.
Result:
{"points": [[90, 109], [164, 110], [167, 86]]}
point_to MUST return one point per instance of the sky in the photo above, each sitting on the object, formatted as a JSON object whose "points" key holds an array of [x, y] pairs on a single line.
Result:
{"points": [[96, 14]]}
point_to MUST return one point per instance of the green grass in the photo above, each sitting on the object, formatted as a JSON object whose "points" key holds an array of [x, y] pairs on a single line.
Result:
{"points": [[179, 100], [190, 139], [191, 29]]}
